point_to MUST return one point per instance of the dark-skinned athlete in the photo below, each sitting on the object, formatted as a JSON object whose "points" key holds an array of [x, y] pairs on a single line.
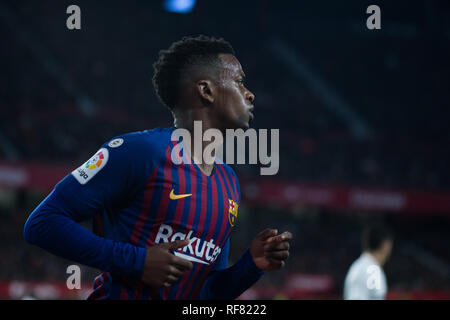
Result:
{"points": [[162, 230]]}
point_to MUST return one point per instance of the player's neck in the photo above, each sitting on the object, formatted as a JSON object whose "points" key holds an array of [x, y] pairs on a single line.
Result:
{"points": [[204, 167], [186, 120]]}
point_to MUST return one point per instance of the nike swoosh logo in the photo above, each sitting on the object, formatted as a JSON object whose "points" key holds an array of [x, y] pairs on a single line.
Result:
{"points": [[178, 196], [190, 258]]}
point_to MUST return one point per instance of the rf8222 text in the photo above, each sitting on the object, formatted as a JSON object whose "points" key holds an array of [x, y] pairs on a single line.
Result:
{"points": [[246, 309]]}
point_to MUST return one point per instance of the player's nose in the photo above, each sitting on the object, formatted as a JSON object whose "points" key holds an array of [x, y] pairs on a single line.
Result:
{"points": [[250, 97]]}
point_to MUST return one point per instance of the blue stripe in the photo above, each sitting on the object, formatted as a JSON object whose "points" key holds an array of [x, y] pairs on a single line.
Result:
{"points": [[184, 219], [126, 219], [130, 292], [145, 293], [220, 211], [115, 289], [225, 183], [206, 227], [219, 221], [230, 178], [198, 207], [170, 213]]}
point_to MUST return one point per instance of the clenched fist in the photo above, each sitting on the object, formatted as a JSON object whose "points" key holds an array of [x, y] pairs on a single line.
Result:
{"points": [[269, 250]]}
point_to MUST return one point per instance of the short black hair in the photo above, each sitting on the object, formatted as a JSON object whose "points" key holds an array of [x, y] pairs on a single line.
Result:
{"points": [[187, 52], [374, 235]]}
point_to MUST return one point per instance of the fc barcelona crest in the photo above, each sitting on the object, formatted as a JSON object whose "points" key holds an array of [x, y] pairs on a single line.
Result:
{"points": [[232, 212]]}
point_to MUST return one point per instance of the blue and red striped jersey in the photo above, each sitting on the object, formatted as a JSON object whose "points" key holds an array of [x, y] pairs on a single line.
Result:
{"points": [[137, 198]]}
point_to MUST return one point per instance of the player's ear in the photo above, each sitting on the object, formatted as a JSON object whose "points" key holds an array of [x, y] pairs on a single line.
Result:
{"points": [[206, 90]]}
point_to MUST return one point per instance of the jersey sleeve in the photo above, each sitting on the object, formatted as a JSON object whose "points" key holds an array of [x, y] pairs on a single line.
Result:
{"points": [[109, 178], [229, 283]]}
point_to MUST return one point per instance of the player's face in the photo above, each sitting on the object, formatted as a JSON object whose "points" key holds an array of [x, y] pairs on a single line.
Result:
{"points": [[234, 100]]}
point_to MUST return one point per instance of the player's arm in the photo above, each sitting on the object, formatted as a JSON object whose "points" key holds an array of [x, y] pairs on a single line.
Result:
{"points": [[268, 251], [230, 283], [53, 225]]}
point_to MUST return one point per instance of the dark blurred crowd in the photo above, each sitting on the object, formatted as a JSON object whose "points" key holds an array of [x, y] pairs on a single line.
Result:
{"points": [[396, 82], [19, 260]]}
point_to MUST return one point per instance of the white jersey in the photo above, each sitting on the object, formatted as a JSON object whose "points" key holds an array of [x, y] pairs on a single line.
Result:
{"points": [[365, 280]]}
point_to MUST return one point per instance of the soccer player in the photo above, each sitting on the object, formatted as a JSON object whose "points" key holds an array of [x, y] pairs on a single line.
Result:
{"points": [[365, 279], [161, 230]]}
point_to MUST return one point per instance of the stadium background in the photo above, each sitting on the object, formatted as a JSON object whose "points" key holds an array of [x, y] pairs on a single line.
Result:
{"points": [[363, 118]]}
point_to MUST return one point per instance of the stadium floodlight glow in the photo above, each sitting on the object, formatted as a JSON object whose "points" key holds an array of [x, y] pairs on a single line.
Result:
{"points": [[179, 6]]}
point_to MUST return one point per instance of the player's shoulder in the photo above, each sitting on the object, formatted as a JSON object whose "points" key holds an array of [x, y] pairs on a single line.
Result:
{"points": [[358, 264], [362, 266], [130, 154], [146, 141]]}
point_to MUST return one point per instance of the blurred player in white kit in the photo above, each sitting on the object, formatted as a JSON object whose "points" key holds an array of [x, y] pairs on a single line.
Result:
{"points": [[365, 279]]}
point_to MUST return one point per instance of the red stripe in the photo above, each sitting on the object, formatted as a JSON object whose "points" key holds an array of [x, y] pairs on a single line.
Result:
{"points": [[201, 224], [206, 272], [138, 289], [101, 290], [214, 212], [164, 201], [145, 209], [95, 294], [176, 221], [227, 181], [225, 216], [222, 231], [193, 175], [203, 203], [225, 223], [215, 215], [238, 198], [166, 292], [124, 294], [145, 212], [182, 190], [137, 230]]}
